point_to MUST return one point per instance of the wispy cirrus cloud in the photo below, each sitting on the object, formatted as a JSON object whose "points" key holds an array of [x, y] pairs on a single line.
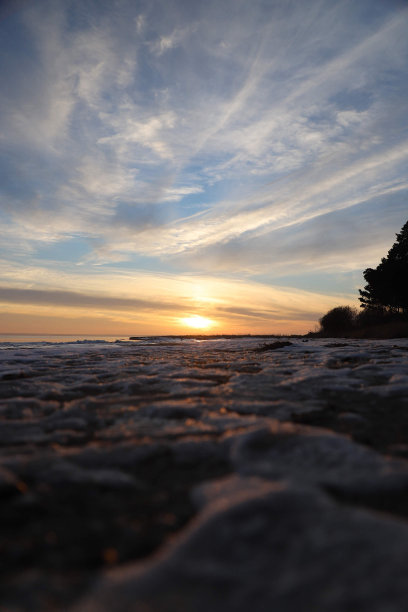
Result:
{"points": [[195, 137], [296, 200]]}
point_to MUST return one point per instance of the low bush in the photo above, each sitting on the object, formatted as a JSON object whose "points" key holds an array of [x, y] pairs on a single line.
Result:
{"points": [[338, 321], [369, 323]]}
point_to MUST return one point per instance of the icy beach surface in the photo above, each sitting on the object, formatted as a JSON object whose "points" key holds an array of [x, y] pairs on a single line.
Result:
{"points": [[177, 474]]}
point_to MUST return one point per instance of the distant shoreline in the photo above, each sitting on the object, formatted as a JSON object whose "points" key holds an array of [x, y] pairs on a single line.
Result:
{"points": [[216, 336]]}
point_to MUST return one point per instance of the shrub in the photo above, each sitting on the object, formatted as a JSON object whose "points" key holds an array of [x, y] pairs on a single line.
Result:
{"points": [[372, 316], [338, 320]]}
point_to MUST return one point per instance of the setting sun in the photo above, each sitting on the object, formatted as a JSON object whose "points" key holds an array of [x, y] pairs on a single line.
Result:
{"points": [[197, 322]]}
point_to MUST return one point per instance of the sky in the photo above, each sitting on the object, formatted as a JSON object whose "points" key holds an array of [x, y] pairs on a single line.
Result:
{"points": [[169, 166]]}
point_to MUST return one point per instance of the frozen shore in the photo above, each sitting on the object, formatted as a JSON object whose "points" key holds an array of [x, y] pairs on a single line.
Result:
{"points": [[182, 475]]}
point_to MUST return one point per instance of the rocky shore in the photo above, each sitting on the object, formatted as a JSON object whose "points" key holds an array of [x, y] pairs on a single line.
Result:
{"points": [[225, 474]]}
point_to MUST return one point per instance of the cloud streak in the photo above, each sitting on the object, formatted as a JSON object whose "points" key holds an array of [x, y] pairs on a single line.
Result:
{"points": [[206, 137], [80, 300]]}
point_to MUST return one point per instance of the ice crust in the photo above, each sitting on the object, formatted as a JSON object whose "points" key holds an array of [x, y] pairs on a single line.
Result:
{"points": [[281, 475]]}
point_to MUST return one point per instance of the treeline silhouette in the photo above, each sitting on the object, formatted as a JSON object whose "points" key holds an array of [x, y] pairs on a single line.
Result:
{"points": [[384, 300]]}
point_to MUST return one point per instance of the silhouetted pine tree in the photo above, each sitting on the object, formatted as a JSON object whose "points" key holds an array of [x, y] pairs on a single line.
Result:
{"points": [[387, 284]]}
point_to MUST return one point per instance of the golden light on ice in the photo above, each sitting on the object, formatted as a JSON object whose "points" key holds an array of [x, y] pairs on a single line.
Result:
{"points": [[197, 322]]}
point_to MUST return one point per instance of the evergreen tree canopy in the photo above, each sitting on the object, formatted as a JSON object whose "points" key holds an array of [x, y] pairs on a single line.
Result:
{"points": [[387, 284]]}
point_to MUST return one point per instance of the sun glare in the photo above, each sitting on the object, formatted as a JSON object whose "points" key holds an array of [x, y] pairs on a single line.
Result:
{"points": [[197, 322]]}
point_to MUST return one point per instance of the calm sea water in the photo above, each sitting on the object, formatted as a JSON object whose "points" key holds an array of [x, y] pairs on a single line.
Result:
{"points": [[30, 338]]}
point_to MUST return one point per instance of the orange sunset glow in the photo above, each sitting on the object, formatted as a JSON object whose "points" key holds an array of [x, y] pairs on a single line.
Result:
{"points": [[167, 169], [197, 322]]}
